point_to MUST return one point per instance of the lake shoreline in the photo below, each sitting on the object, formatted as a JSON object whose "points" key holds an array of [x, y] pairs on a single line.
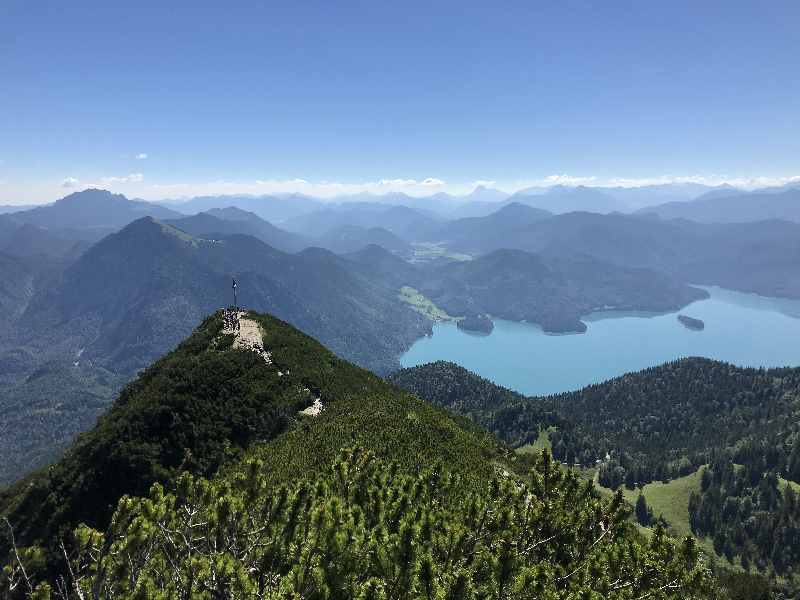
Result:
{"points": [[741, 329]]}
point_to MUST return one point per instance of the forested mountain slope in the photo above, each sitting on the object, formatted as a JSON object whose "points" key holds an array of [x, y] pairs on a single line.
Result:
{"points": [[761, 257], [660, 424], [67, 346], [552, 292], [214, 223], [380, 493], [29, 241], [43, 412], [16, 288], [655, 424], [138, 292], [521, 286]]}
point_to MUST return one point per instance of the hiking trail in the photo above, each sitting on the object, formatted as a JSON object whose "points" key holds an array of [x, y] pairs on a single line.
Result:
{"points": [[247, 335]]}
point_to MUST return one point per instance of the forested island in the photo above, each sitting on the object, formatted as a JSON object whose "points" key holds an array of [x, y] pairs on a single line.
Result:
{"points": [[476, 323], [691, 323]]}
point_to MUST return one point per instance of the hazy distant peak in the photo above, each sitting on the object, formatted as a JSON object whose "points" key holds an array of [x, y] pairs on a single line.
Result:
{"points": [[518, 208], [231, 213], [735, 206], [482, 193], [92, 195], [561, 199], [92, 209]]}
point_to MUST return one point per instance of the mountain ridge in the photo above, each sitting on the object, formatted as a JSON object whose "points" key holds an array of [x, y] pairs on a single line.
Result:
{"points": [[245, 223], [738, 207], [91, 209], [211, 409]]}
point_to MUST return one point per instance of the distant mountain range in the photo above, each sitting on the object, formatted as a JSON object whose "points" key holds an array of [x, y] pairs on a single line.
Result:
{"points": [[91, 214], [270, 208], [556, 199], [10, 208], [407, 223], [352, 238], [198, 253], [638, 197], [562, 199], [691, 251], [761, 257], [439, 204], [230, 220], [464, 231], [721, 207]]}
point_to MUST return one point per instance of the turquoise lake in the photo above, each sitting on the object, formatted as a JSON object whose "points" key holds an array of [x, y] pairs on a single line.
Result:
{"points": [[743, 329]]}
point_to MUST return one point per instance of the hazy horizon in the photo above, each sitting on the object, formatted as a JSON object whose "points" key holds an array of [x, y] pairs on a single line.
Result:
{"points": [[381, 189]]}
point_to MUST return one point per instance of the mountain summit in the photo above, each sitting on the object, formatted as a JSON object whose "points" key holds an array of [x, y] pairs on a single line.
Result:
{"points": [[92, 209]]}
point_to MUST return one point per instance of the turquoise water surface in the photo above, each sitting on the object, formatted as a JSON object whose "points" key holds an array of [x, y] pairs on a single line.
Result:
{"points": [[743, 329]]}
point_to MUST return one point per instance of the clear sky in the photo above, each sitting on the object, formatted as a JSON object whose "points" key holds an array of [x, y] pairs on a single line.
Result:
{"points": [[166, 99]]}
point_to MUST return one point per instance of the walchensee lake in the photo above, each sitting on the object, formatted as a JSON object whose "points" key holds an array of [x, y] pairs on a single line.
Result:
{"points": [[743, 329]]}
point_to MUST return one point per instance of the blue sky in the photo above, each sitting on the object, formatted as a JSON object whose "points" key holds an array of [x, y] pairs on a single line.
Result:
{"points": [[343, 96]]}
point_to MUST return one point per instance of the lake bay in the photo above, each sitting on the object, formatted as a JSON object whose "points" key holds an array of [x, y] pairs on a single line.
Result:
{"points": [[743, 329]]}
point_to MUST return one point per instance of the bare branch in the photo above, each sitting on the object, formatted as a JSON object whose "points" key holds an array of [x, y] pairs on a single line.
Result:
{"points": [[17, 557]]}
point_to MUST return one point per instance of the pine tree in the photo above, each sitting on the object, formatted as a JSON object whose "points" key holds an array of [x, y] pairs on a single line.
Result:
{"points": [[643, 513]]}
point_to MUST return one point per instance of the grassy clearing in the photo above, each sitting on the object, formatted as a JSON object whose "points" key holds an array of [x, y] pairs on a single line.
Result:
{"points": [[671, 501], [422, 305], [541, 443], [668, 500], [181, 235]]}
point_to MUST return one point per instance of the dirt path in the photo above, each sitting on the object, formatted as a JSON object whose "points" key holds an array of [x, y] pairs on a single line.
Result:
{"points": [[247, 335]]}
